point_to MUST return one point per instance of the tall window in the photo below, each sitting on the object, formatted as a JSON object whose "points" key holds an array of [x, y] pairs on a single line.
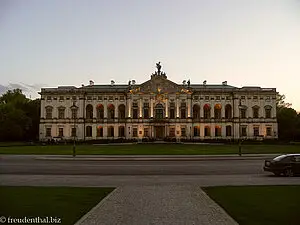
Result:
{"points": [[121, 131], [269, 131], [134, 132], [89, 131], [172, 110], [60, 132], [121, 111], [135, 110], [256, 131], [100, 111], [228, 111], [146, 110], [61, 113], [146, 132], [196, 112], [159, 111], [255, 111], [48, 132], [110, 131], [228, 131], [244, 131], [73, 133], [206, 131], [111, 111], [217, 110], [49, 110], [218, 132], [268, 110], [89, 111], [99, 131], [183, 110], [206, 109], [196, 131], [243, 113], [183, 132], [172, 132], [74, 113]]}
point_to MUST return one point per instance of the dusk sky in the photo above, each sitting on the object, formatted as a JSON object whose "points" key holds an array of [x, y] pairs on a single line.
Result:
{"points": [[60, 42]]}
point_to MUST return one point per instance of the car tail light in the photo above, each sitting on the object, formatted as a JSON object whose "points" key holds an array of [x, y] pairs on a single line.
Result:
{"points": [[267, 163]]}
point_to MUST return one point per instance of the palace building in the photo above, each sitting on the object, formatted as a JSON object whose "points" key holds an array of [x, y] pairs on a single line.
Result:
{"points": [[158, 109]]}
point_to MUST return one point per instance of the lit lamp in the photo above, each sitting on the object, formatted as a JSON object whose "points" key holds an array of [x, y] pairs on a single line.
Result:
{"points": [[74, 108], [240, 144]]}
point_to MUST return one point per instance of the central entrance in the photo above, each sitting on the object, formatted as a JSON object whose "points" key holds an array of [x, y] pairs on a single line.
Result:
{"points": [[159, 132]]}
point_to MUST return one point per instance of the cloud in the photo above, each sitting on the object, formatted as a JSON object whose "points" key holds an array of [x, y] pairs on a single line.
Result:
{"points": [[30, 90]]}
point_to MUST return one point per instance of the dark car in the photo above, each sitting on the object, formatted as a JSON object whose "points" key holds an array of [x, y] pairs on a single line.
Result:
{"points": [[288, 165]]}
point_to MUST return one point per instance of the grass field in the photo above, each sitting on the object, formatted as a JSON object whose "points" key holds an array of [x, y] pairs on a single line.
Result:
{"points": [[259, 205], [68, 204], [150, 149]]}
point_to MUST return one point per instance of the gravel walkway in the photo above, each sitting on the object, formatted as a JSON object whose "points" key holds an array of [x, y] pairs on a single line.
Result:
{"points": [[157, 204]]}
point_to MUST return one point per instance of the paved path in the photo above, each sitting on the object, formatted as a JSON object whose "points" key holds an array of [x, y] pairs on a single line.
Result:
{"points": [[155, 205]]}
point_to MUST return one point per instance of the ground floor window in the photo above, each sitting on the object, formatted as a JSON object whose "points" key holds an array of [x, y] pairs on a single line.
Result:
{"points": [[172, 132], [228, 131], [218, 131], [60, 132], [196, 131], [134, 132], [146, 132], [99, 131], [73, 132], [269, 131], [256, 131], [89, 131], [244, 131], [121, 131], [207, 131], [183, 132], [48, 132], [110, 131]]}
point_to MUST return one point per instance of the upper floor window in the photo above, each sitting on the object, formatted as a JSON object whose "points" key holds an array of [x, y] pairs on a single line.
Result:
{"points": [[255, 111], [74, 113], [61, 98], [206, 97], [111, 98], [49, 110], [73, 97], [218, 97], [255, 97], [268, 111], [48, 97], [243, 97], [122, 97], [89, 97], [159, 111], [61, 113]]}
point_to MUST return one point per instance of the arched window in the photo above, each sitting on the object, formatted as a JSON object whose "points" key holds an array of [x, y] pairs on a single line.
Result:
{"points": [[268, 111], [196, 111], [110, 131], [49, 110], [159, 111], [255, 110], [89, 131], [121, 111], [110, 111], [217, 111], [206, 109], [100, 111], [89, 111], [100, 131], [228, 111]]}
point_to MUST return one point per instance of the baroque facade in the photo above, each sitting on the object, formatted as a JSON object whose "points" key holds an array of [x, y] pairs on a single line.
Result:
{"points": [[158, 108]]}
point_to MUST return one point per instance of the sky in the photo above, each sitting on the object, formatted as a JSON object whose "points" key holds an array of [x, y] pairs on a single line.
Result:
{"points": [[52, 43]]}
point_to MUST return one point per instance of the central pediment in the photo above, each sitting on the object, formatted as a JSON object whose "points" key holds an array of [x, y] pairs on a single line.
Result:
{"points": [[159, 84]]}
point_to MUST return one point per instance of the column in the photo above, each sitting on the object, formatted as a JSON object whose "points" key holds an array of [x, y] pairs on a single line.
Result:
{"points": [[151, 108], [189, 107], [167, 108], [117, 110], [177, 108], [141, 108], [201, 111], [129, 107], [105, 109], [43, 114]]}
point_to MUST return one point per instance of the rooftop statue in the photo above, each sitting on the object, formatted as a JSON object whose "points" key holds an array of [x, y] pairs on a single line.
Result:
{"points": [[158, 66]]}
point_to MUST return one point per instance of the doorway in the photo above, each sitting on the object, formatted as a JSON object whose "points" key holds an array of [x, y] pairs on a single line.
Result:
{"points": [[159, 132]]}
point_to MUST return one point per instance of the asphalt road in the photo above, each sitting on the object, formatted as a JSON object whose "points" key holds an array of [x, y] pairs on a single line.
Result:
{"points": [[31, 165]]}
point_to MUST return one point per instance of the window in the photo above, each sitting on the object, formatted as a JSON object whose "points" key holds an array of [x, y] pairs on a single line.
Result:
{"points": [[172, 132], [269, 131], [196, 112], [121, 98], [217, 111], [48, 97], [99, 131], [228, 112], [207, 131], [183, 132], [244, 131], [146, 110], [228, 131], [89, 97], [73, 97], [268, 98], [256, 131], [111, 111], [89, 131], [134, 132], [218, 97], [196, 97], [206, 97], [121, 111], [110, 131], [196, 131], [146, 132], [110, 98], [121, 131], [172, 110], [100, 111], [49, 112], [100, 98], [60, 132], [74, 113], [61, 98], [89, 112], [48, 132], [255, 111], [228, 98], [255, 97], [135, 113], [61, 113], [243, 113], [218, 132], [159, 112], [206, 109], [73, 133], [243, 97], [268, 110]]}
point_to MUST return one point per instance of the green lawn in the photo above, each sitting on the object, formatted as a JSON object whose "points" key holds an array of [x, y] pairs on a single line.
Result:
{"points": [[259, 205], [149, 149], [69, 204]]}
